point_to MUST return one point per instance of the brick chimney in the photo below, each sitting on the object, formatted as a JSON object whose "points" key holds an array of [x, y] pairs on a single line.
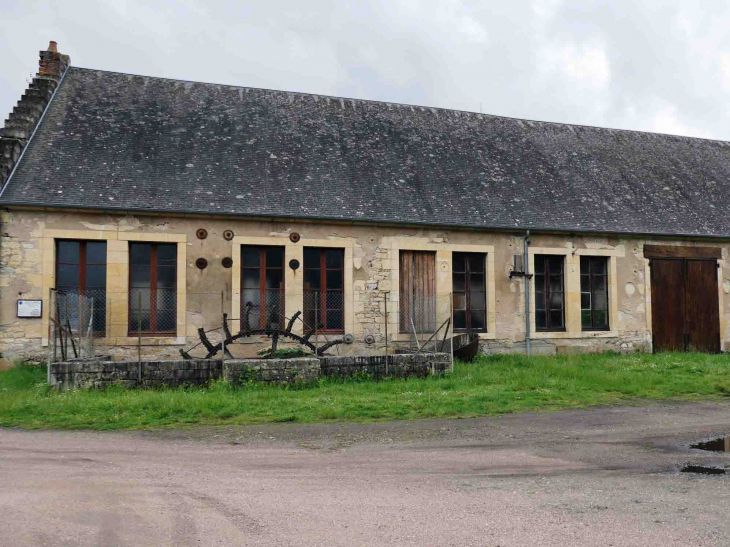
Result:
{"points": [[25, 116]]}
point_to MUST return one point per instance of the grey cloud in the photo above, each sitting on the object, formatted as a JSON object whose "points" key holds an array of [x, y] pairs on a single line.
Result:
{"points": [[657, 65]]}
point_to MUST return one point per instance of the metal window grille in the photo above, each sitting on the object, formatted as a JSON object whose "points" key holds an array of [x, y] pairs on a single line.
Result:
{"points": [[153, 311], [263, 309], [330, 310]]}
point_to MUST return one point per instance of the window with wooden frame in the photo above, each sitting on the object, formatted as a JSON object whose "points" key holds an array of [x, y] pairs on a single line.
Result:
{"points": [[262, 287], [594, 292], [549, 293], [470, 291], [417, 297], [152, 289], [324, 282], [81, 283]]}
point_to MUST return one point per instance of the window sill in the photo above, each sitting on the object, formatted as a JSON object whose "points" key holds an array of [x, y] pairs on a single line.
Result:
{"points": [[549, 334], [575, 335], [132, 341], [404, 337], [151, 340]]}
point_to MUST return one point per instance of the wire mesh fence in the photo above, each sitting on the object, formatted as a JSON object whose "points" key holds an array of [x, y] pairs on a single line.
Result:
{"points": [[312, 323], [262, 309], [77, 320], [426, 319], [152, 311], [318, 324], [325, 310]]}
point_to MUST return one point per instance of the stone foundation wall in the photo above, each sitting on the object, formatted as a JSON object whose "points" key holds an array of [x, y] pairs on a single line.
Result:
{"points": [[100, 374], [397, 366], [279, 371]]}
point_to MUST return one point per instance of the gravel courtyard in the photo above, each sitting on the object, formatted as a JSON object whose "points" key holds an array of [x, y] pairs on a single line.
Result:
{"points": [[606, 476]]}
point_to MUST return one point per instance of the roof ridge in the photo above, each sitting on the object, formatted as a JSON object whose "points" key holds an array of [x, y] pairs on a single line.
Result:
{"points": [[441, 109]]}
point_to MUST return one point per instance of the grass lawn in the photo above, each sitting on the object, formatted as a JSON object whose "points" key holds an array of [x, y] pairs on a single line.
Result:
{"points": [[492, 385]]}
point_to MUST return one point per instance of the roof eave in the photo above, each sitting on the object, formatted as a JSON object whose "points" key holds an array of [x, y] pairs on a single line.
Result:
{"points": [[534, 229]]}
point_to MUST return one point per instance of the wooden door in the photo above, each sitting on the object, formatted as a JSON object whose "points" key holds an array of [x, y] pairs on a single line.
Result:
{"points": [[417, 291], [667, 304], [685, 306], [702, 308]]}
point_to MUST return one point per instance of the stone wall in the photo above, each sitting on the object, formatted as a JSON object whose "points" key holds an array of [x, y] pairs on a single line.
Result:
{"points": [[27, 271], [637, 342], [396, 366], [100, 374], [279, 371]]}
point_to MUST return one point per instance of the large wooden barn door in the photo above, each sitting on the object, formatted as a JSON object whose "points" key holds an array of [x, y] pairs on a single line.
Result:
{"points": [[667, 304], [703, 312], [685, 305]]}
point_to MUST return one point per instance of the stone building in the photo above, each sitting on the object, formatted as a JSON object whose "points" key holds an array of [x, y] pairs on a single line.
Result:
{"points": [[174, 202]]}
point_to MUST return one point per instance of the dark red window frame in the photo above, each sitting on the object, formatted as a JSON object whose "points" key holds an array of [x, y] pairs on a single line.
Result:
{"points": [[326, 304], [133, 328], [81, 286], [264, 291]]}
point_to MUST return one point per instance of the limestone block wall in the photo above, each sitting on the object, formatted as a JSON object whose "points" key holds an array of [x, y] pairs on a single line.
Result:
{"points": [[154, 374], [372, 279], [278, 371], [100, 374], [380, 366]]}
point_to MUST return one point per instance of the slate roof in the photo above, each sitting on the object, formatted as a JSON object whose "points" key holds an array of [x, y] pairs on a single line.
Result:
{"points": [[117, 141]]}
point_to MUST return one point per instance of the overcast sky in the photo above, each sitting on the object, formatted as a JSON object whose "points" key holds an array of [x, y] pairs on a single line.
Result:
{"points": [[651, 65]]}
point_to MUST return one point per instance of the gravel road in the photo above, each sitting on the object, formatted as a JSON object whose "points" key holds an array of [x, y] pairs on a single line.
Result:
{"points": [[606, 476]]}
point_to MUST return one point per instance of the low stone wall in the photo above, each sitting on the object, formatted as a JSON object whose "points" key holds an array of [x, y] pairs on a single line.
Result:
{"points": [[397, 366], [100, 374], [638, 342], [280, 371]]}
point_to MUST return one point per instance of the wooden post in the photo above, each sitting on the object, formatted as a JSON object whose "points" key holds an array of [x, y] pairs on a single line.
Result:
{"points": [[223, 337], [316, 324], [451, 308], [51, 347], [139, 336], [386, 296]]}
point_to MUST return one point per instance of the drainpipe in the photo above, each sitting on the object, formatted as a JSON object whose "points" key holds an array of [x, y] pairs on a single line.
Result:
{"points": [[527, 293]]}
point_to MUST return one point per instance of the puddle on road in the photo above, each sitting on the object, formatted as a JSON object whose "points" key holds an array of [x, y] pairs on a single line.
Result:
{"points": [[721, 444], [703, 470]]}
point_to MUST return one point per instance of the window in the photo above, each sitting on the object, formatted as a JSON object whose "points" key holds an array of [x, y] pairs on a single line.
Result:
{"points": [[417, 295], [549, 293], [262, 287], [470, 297], [81, 283], [324, 280], [152, 288], [594, 292]]}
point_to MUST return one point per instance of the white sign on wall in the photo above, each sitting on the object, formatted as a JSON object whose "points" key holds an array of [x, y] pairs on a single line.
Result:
{"points": [[30, 308]]}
